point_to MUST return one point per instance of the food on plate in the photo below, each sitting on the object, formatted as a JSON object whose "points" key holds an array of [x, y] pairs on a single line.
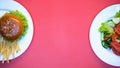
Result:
{"points": [[110, 33], [13, 26]]}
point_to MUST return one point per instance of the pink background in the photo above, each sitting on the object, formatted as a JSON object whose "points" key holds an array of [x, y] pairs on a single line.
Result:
{"points": [[61, 34]]}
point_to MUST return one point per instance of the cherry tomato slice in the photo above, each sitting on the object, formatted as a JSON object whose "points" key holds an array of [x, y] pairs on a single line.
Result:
{"points": [[115, 47], [106, 38], [117, 29], [114, 37], [116, 52]]}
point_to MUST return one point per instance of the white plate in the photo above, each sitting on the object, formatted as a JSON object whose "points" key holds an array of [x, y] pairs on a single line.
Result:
{"points": [[8, 5], [105, 55]]}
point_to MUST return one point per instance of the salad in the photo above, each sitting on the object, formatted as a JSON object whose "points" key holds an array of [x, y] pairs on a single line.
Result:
{"points": [[110, 33]]}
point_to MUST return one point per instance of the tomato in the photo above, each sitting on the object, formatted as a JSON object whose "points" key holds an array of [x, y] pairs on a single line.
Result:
{"points": [[115, 47], [106, 38], [117, 29], [116, 52], [114, 37], [114, 44]]}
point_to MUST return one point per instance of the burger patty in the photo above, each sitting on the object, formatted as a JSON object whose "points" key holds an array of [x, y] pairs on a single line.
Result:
{"points": [[11, 27]]}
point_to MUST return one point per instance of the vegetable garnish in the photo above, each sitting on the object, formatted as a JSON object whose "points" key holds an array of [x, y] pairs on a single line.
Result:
{"points": [[110, 33], [13, 26]]}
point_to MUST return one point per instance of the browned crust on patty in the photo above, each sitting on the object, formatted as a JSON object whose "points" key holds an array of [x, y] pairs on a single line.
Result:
{"points": [[11, 27]]}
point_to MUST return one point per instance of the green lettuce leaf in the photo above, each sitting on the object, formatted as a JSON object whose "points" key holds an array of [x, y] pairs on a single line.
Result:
{"points": [[117, 14], [106, 30]]}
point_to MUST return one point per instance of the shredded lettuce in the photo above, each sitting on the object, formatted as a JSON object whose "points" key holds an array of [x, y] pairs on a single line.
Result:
{"points": [[24, 20], [117, 14], [106, 29]]}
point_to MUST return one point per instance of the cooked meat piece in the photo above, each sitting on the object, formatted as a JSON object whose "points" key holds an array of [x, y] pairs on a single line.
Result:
{"points": [[11, 27]]}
